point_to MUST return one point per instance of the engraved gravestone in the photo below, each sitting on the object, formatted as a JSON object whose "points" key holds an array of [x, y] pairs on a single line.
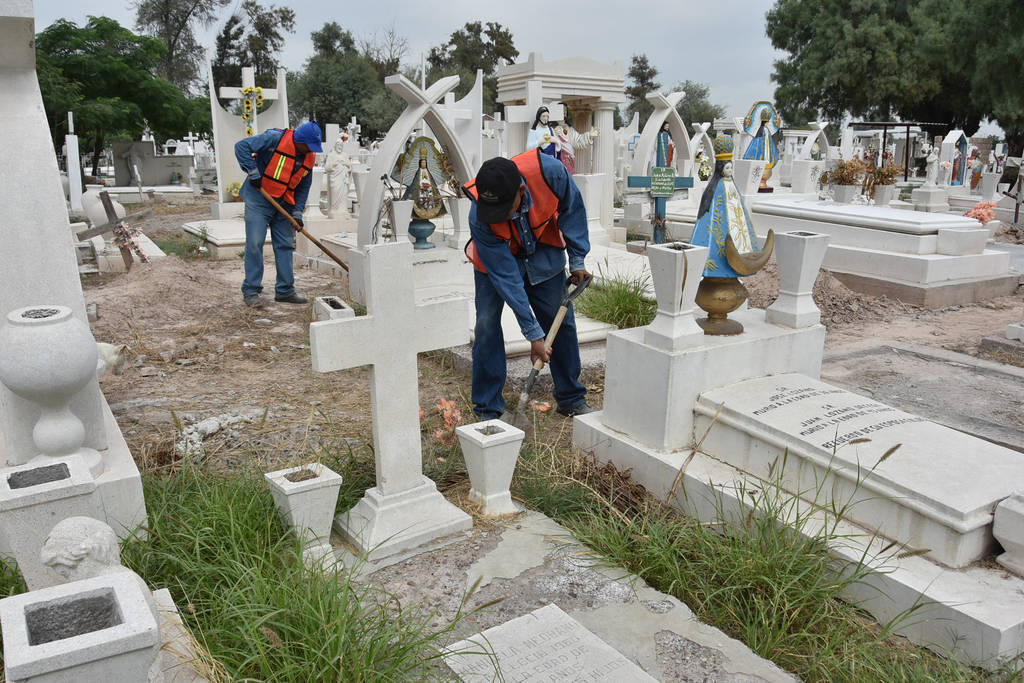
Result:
{"points": [[544, 645]]}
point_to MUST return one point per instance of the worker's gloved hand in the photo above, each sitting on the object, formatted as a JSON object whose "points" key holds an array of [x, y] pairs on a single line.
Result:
{"points": [[254, 180], [297, 215], [578, 276]]}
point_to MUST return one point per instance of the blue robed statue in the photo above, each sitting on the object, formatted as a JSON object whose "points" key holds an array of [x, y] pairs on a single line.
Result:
{"points": [[725, 228], [762, 146]]}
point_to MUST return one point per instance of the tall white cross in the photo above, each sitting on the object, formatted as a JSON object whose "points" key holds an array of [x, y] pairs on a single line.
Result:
{"points": [[405, 508], [248, 81]]}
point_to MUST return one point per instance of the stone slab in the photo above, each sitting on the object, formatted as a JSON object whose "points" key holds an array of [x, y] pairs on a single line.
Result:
{"points": [[937, 491], [544, 645], [224, 237], [975, 615], [178, 657], [826, 213], [916, 269], [988, 402], [933, 296], [650, 392]]}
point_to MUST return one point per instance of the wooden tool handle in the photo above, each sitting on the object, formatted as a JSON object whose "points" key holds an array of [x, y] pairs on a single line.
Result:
{"points": [[298, 228]]}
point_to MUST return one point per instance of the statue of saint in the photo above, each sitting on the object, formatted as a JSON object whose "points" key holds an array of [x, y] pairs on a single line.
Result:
{"points": [[542, 134], [666, 149], [931, 168], [339, 173], [762, 147], [422, 171], [724, 226]]}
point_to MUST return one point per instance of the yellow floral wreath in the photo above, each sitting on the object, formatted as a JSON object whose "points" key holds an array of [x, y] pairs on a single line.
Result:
{"points": [[248, 105]]}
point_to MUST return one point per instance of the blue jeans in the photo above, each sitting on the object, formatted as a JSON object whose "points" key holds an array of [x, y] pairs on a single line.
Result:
{"points": [[258, 215], [489, 345]]}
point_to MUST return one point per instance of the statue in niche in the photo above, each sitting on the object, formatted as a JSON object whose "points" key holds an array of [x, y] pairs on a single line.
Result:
{"points": [[339, 173], [569, 140], [81, 548], [543, 135], [666, 149], [724, 226], [423, 170], [762, 147]]}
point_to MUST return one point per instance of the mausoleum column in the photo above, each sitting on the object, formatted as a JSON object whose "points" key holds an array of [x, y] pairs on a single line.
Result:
{"points": [[603, 159]]}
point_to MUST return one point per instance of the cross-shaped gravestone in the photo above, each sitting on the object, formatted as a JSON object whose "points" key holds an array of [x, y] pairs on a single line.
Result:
{"points": [[405, 508], [248, 81], [663, 182], [526, 113], [190, 141]]}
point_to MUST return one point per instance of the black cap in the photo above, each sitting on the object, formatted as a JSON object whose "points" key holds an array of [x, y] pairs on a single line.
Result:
{"points": [[497, 183]]}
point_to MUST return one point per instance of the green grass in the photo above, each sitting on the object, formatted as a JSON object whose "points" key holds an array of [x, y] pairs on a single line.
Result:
{"points": [[184, 246], [240, 585], [776, 590], [618, 302]]}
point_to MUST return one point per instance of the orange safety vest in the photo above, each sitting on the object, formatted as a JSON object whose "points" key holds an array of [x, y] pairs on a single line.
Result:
{"points": [[543, 214], [282, 175]]}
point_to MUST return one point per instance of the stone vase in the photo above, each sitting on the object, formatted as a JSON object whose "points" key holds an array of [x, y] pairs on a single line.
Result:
{"points": [[491, 450], [844, 194], [988, 188], [401, 215], [676, 269], [799, 255], [306, 496], [884, 194], [48, 357]]}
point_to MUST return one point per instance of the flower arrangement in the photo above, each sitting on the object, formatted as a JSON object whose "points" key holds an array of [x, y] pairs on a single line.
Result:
{"points": [[983, 212], [234, 189], [452, 418], [845, 173], [886, 175], [946, 164], [252, 99]]}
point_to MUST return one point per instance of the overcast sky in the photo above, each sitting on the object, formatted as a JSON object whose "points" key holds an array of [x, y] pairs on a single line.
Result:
{"points": [[720, 43]]}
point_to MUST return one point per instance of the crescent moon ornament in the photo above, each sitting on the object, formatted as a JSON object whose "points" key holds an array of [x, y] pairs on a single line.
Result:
{"points": [[748, 264]]}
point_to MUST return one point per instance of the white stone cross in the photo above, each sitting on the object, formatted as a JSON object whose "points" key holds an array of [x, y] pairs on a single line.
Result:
{"points": [[405, 508], [248, 81], [526, 113]]}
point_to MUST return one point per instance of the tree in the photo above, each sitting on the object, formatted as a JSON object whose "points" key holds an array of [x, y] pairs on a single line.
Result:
{"points": [[470, 48], [642, 74], [385, 51], [174, 22], [105, 74], [915, 59], [696, 107], [252, 36]]}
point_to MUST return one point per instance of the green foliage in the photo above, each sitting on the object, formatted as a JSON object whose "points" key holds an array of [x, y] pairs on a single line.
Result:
{"points": [[845, 173], [105, 74], [470, 48], [246, 596], [641, 75], [174, 22], [252, 36], [333, 87], [619, 302], [696, 107], [945, 61]]}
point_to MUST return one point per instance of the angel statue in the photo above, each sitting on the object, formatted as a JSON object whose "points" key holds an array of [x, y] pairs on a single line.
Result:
{"points": [[423, 171], [724, 226], [571, 139]]}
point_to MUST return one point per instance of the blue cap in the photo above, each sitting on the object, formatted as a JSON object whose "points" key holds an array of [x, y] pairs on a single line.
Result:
{"points": [[309, 133]]}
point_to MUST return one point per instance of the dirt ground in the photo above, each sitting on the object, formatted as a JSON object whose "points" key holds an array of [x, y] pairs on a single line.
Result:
{"points": [[195, 352]]}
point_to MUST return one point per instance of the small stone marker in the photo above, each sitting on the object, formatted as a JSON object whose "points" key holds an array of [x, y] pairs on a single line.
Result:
{"points": [[405, 508], [544, 645]]}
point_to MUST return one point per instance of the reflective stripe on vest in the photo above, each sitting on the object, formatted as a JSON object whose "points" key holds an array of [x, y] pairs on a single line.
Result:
{"points": [[282, 176], [542, 216]]}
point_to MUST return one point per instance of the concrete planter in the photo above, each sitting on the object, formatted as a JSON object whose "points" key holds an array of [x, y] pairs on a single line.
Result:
{"points": [[884, 194], [401, 216], [33, 498], [844, 194], [48, 357], [331, 308], [799, 255], [491, 449], [99, 629], [306, 496]]}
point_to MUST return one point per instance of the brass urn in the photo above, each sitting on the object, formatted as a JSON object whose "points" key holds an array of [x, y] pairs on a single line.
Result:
{"points": [[720, 296]]}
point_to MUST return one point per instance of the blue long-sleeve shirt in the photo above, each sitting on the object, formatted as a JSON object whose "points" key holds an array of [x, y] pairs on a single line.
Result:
{"points": [[508, 272], [253, 155]]}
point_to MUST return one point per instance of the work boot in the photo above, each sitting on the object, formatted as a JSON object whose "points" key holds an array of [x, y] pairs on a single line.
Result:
{"points": [[581, 408], [252, 300], [292, 299]]}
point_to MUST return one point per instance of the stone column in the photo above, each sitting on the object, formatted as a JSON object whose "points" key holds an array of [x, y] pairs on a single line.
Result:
{"points": [[603, 156]]}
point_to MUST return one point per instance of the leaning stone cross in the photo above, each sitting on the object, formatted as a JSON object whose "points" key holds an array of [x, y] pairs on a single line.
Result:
{"points": [[248, 81], [405, 508]]}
